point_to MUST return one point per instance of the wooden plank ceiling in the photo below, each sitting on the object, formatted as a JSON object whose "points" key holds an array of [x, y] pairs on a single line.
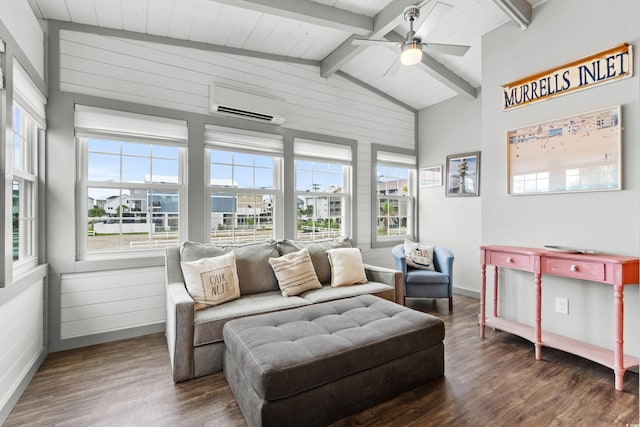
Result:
{"points": [[313, 30]]}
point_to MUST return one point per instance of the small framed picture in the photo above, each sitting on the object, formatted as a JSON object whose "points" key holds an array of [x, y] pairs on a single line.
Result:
{"points": [[431, 176], [463, 175]]}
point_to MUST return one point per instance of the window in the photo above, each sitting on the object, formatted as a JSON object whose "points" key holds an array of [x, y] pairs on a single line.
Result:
{"points": [[131, 180], [24, 184], [27, 129], [394, 196], [244, 182], [323, 188]]}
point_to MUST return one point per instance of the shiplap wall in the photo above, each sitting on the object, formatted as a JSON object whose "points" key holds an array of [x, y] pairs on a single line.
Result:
{"points": [[96, 302], [25, 29], [21, 338], [22, 343], [178, 78]]}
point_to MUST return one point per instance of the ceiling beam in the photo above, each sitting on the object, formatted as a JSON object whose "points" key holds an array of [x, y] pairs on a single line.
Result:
{"points": [[310, 12], [519, 11], [438, 71], [386, 20]]}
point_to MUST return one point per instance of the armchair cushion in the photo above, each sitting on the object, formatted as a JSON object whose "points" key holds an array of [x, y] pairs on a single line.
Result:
{"points": [[425, 277], [418, 255]]}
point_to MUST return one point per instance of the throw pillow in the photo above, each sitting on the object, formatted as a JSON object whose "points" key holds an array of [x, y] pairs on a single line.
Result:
{"points": [[347, 267], [212, 281], [418, 255], [317, 251], [295, 273]]}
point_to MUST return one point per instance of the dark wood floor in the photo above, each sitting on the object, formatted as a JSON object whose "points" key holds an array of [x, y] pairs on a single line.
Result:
{"points": [[490, 382]]}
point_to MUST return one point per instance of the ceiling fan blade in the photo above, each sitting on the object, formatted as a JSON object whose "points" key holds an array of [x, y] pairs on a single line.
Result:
{"points": [[447, 49], [368, 42], [393, 69], [431, 19]]}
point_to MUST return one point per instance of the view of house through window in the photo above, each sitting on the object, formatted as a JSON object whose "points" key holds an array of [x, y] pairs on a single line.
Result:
{"points": [[133, 199], [395, 187], [243, 195], [320, 199]]}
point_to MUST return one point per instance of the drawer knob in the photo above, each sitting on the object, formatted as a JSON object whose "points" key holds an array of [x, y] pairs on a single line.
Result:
{"points": [[573, 268], [509, 259]]}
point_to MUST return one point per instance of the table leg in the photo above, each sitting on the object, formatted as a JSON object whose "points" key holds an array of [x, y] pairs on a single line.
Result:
{"points": [[483, 285], [495, 291], [538, 324], [618, 362]]}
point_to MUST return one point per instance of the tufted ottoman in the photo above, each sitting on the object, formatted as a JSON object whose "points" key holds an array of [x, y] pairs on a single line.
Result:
{"points": [[316, 364]]}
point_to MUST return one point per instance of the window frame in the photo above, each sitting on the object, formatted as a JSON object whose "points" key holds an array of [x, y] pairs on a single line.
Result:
{"points": [[84, 184], [31, 134], [347, 183], [234, 191], [412, 198]]}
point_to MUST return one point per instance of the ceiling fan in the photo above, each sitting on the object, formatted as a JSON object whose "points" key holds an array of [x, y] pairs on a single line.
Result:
{"points": [[412, 47]]}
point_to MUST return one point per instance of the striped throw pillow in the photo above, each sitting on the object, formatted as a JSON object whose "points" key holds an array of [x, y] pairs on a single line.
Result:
{"points": [[295, 273]]}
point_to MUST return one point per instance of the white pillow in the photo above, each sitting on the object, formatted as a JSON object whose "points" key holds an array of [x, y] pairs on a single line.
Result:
{"points": [[418, 256], [212, 281], [295, 273], [347, 267]]}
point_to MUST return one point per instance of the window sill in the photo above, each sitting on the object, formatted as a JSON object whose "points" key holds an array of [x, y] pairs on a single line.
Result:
{"points": [[119, 261]]}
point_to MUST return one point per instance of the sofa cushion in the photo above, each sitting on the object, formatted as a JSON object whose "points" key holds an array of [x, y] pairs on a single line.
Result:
{"points": [[252, 262], [329, 293], [347, 267], [318, 253], [211, 281], [426, 277], [295, 273], [208, 323]]}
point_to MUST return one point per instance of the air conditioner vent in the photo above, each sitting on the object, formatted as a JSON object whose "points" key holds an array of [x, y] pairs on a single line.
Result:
{"points": [[250, 114], [246, 104]]}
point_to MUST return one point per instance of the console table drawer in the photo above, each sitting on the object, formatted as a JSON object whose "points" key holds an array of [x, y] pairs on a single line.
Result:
{"points": [[505, 259], [573, 268]]}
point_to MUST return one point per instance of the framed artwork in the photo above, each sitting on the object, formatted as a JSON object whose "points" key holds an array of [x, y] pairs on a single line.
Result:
{"points": [[431, 176], [571, 154], [463, 175]]}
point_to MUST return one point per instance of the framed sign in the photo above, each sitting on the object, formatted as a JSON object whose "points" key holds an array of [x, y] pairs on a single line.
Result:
{"points": [[463, 175], [570, 154], [431, 176]]}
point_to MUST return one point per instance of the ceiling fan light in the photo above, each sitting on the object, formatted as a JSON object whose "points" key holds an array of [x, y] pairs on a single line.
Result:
{"points": [[411, 53]]}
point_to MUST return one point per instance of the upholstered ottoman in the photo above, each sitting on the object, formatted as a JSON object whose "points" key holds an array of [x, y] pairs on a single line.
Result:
{"points": [[316, 364]]}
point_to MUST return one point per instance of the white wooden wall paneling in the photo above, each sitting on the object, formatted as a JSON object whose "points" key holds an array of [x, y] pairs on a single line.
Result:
{"points": [[110, 14], [134, 15], [23, 340], [111, 323], [197, 66], [158, 17], [82, 12], [25, 29], [182, 18], [106, 301], [340, 117]]}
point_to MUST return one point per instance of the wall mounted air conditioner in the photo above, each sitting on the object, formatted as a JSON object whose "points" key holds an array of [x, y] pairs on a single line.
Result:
{"points": [[245, 104]]}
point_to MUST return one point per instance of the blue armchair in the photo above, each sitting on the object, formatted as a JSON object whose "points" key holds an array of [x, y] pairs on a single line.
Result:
{"points": [[420, 283]]}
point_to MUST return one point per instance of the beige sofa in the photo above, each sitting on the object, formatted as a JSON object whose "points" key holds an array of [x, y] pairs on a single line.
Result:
{"points": [[195, 339]]}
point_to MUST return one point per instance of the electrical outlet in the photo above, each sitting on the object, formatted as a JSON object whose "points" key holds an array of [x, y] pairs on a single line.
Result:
{"points": [[562, 305]]}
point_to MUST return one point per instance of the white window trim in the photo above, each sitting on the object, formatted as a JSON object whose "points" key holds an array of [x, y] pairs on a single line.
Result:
{"points": [[392, 156], [239, 141], [24, 265], [315, 151], [84, 184]]}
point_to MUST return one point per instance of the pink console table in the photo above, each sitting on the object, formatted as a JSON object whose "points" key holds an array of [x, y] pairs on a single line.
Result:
{"points": [[617, 271]]}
